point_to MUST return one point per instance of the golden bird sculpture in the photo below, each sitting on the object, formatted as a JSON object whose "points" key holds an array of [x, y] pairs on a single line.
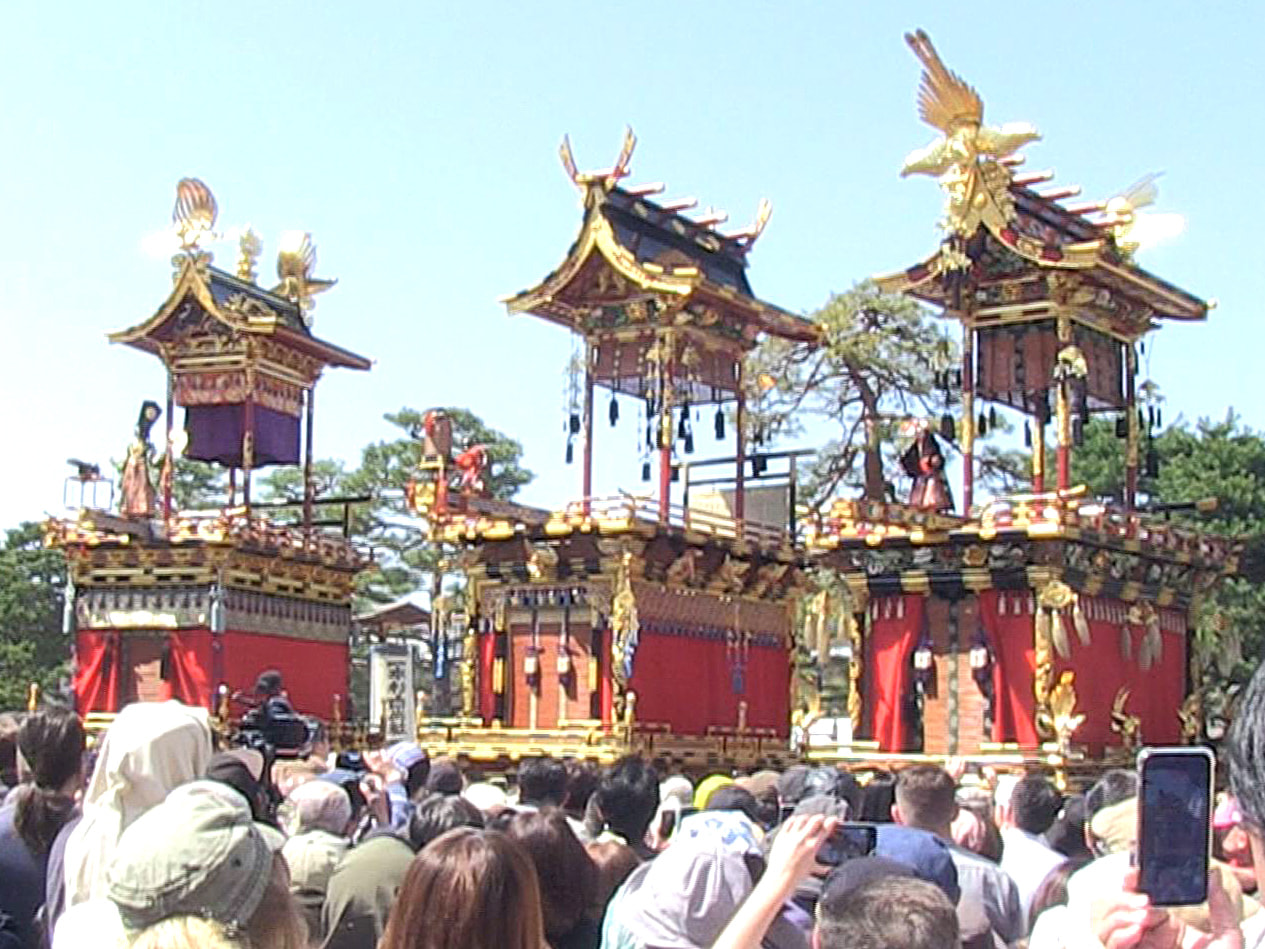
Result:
{"points": [[1133, 231], [195, 212], [965, 157], [295, 262], [1062, 719]]}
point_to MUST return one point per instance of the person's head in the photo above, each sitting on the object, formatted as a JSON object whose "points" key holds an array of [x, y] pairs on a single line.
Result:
{"points": [[434, 816], [542, 780], [1114, 786], [792, 786], [485, 886], [487, 798], [412, 764], [1246, 747], [613, 861], [875, 800], [198, 853], [445, 777], [763, 787], [319, 805], [1067, 833], [186, 932], [1035, 803], [268, 684], [50, 745], [1053, 889], [926, 799], [887, 913], [709, 786], [923, 852], [833, 782], [733, 798], [986, 841], [241, 770], [582, 778], [568, 878], [628, 796]]}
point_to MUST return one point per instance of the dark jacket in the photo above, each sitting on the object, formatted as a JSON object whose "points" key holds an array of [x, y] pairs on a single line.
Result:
{"points": [[362, 890]]}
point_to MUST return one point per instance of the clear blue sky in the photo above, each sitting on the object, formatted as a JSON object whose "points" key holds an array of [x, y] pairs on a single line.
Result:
{"points": [[418, 142]]}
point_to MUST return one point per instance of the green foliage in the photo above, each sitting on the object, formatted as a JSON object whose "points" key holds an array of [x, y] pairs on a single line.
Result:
{"points": [[876, 367], [1211, 459], [33, 647]]}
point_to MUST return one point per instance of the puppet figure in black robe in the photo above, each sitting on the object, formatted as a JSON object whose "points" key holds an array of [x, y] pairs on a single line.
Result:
{"points": [[924, 462]]}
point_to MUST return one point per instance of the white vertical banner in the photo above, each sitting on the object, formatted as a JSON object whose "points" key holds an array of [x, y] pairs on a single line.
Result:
{"points": [[391, 696]]}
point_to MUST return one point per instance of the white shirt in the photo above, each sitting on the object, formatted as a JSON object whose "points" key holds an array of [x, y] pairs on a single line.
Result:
{"points": [[1027, 860]]}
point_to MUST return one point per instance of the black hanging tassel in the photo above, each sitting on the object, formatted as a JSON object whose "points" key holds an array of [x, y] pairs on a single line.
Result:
{"points": [[948, 428], [650, 433], [573, 423], [1027, 434], [1122, 427], [1150, 416], [676, 474], [683, 424], [1159, 417], [1141, 419], [1152, 463], [992, 417], [689, 443], [981, 425], [645, 471], [570, 452], [1078, 431], [720, 424], [614, 411]]}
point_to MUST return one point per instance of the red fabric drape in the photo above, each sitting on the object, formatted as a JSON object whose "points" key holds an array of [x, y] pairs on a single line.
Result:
{"points": [[314, 671], [96, 682], [487, 698], [688, 681], [1007, 621], [189, 655], [895, 622]]}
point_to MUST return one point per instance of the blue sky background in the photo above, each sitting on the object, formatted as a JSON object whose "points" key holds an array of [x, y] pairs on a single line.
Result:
{"points": [[418, 142]]}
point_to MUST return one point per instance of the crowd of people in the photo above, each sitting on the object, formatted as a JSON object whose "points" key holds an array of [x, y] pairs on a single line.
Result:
{"points": [[156, 840]]}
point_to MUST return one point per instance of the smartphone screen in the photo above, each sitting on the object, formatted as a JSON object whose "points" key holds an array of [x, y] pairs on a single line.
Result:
{"points": [[1174, 824], [783, 813], [667, 823], [848, 842]]}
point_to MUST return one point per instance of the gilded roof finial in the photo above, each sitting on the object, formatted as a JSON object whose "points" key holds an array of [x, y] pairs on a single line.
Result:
{"points": [[249, 248], [194, 213], [607, 177], [966, 157], [295, 262]]}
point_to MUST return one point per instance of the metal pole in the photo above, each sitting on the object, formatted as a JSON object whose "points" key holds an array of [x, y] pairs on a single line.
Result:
{"points": [[170, 461], [587, 461]]}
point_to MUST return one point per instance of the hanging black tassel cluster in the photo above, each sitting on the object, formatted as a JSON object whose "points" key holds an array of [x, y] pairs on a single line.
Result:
{"points": [[645, 471], [689, 443], [1122, 427], [948, 427], [570, 452], [1027, 434], [992, 417], [613, 411], [1152, 463], [981, 425], [720, 423], [573, 423]]}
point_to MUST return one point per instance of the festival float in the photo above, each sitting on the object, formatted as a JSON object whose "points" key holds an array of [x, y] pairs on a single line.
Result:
{"points": [[659, 623], [1048, 626], [193, 605]]}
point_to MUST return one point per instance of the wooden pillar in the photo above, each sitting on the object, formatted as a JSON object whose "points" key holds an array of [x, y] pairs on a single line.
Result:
{"points": [[586, 462], [1132, 431], [740, 453], [309, 489], [1064, 409], [968, 418]]}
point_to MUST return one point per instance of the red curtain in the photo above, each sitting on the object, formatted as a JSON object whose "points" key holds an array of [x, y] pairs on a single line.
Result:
{"points": [[1007, 620], [189, 655], [895, 622], [96, 681], [487, 698], [314, 671]]}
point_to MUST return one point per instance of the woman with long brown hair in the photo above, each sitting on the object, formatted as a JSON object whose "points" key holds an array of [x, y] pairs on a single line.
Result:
{"points": [[568, 877], [468, 889]]}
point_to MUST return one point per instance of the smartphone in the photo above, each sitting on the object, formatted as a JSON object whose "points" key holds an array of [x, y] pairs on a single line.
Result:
{"points": [[784, 813], [848, 842], [1174, 824]]}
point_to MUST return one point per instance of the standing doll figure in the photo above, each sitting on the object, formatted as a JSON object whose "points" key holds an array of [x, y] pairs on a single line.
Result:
{"points": [[924, 462]]}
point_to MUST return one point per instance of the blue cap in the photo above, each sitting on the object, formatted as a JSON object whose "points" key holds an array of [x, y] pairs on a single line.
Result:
{"points": [[924, 853]]}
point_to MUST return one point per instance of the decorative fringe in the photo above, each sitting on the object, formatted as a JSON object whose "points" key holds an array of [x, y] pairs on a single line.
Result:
{"points": [[613, 411], [720, 423], [1126, 643], [1080, 624]]}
